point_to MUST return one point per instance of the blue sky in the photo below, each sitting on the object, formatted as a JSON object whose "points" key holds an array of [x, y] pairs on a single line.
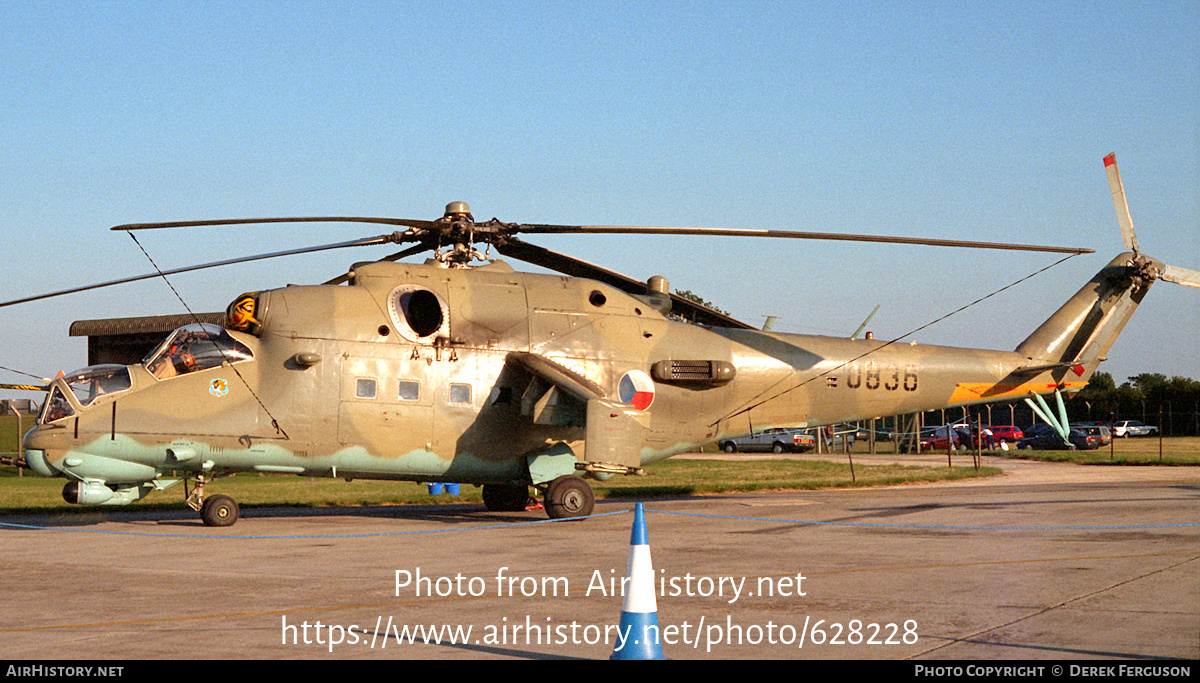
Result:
{"points": [[954, 120]]}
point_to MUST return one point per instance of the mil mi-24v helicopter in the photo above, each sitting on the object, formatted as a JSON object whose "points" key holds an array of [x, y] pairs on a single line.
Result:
{"points": [[476, 373]]}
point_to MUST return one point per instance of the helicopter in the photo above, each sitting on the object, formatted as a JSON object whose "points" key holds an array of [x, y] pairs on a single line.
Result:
{"points": [[463, 369]]}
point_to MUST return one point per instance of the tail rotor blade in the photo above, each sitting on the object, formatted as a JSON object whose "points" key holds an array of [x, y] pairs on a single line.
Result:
{"points": [[1119, 203], [1180, 276]]}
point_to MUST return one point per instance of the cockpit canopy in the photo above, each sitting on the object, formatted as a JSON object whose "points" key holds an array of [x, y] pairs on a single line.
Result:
{"points": [[87, 384], [192, 348]]}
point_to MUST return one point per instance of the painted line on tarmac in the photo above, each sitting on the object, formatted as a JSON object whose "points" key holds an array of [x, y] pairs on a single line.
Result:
{"points": [[773, 520], [948, 527]]}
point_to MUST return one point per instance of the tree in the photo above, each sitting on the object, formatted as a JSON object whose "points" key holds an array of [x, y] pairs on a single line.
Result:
{"points": [[1100, 395], [1149, 382], [690, 296]]}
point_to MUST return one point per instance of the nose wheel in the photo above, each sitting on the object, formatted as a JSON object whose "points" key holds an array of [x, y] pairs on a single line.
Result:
{"points": [[217, 510]]}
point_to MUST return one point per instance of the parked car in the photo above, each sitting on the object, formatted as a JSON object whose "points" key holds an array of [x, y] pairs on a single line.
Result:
{"points": [[1101, 431], [1050, 440], [775, 440], [1038, 429], [1132, 428], [908, 446], [1006, 433], [932, 439]]}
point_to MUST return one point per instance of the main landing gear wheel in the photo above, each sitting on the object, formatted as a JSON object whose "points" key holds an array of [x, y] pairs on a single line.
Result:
{"points": [[219, 510], [569, 496], [505, 497]]}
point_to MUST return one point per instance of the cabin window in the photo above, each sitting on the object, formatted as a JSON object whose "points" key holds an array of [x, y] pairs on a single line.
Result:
{"points": [[364, 387], [460, 394], [410, 390]]}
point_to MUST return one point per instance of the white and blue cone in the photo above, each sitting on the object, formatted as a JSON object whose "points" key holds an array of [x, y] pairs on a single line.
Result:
{"points": [[639, 608]]}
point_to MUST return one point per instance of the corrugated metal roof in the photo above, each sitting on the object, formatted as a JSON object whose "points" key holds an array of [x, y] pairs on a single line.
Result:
{"points": [[141, 325]]}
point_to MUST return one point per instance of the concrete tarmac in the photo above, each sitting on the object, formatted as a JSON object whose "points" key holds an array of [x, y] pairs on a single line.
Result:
{"points": [[1048, 561]]}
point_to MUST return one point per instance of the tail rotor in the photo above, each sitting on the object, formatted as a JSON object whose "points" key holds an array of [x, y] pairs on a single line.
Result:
{"points": [[1151, 267]]}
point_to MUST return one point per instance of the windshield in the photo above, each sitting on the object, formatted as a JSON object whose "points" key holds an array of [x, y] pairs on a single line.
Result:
{"points": [[87, 385], [57, 407], [193, 348], [96, 380]]}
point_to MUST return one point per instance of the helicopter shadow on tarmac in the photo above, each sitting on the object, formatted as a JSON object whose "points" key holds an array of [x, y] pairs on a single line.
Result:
{"points": [[466, 514], [454, 513]]}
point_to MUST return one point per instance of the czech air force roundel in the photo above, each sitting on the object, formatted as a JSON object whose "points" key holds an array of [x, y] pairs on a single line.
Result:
{"points": [[637, 389]]}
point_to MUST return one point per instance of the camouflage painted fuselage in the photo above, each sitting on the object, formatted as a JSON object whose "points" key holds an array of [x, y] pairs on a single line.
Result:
{"points": [[498, 368]]}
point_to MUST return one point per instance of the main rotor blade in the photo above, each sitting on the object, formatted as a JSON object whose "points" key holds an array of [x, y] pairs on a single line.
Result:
{"points": [[789, 234], [574, 267], [1119, 203], [406, 222], [364, 242], [1180, 276]]}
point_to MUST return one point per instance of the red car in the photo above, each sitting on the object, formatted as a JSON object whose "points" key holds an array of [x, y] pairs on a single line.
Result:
{"points": [[939, 440], [1007, 434]]}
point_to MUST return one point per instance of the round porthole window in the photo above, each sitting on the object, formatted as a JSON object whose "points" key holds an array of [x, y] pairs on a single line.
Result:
{"points": [[419, 314]]}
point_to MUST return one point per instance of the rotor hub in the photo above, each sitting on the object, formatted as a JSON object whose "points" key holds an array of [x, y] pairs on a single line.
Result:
{"points": [[458, 211]]}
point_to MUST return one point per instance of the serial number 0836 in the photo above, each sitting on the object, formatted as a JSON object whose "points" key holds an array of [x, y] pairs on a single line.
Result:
{"points": [[871, 376]]}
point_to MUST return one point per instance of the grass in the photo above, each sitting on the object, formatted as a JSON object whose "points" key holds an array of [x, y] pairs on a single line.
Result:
{"points": [[1178, 450], [684, 476], [32, 493]]}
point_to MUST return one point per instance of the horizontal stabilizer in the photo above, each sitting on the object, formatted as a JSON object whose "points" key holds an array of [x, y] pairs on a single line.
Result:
{"points": [[1038, 369]]}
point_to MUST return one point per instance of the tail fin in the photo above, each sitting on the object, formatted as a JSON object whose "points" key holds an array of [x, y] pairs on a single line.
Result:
{"points": [[1080, 333]]}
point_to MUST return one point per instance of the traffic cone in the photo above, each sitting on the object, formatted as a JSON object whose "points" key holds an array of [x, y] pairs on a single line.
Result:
{"points": [[639, 608]]}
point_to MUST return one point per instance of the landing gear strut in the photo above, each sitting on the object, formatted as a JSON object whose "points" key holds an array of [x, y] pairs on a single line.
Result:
{"points": [[218, 510]]}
